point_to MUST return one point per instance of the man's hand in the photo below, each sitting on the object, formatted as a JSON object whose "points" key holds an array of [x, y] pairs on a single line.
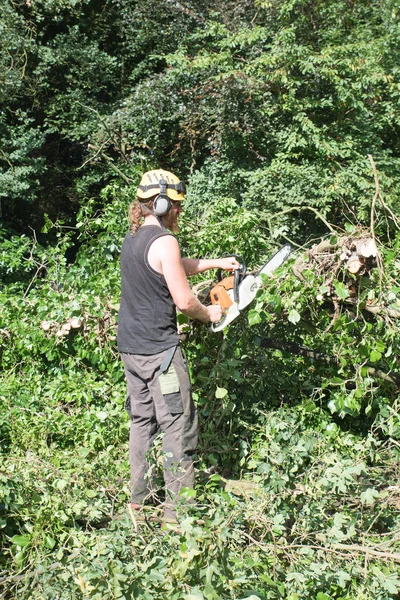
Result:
{"points": [[215, 313], [227, 264]]}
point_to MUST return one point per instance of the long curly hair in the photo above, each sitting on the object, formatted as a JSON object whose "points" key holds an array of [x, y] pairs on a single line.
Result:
{"points": [[136, 214]]}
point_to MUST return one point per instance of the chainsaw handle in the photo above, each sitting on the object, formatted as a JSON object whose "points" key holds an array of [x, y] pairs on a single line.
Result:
{"points": [[238, 273], [237, 278]]}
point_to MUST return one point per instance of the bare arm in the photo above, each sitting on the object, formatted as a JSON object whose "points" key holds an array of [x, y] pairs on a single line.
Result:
{"points": [[165, 257], [192, 266]]}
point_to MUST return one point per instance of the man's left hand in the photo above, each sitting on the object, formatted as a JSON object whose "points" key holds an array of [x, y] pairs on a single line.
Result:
{"points": [[228, 264]]}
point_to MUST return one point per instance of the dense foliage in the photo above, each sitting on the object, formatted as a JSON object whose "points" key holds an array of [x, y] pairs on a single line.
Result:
{"points": [[284, 119]]}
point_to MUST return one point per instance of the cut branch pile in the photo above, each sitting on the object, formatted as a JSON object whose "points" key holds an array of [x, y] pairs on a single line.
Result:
{"points": [[103, 326], [356, 254], [346, 259]]}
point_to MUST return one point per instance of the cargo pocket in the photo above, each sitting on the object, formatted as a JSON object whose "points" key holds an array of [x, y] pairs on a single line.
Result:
{"points": [[170, 389]]}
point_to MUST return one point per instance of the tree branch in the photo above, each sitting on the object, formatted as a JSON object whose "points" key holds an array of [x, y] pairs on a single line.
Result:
{"points": [[375, 309], [111, 163], [299, 209], [296, 349], [293, 348], [334, 548]]}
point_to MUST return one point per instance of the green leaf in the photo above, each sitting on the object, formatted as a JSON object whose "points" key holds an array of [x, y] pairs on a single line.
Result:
{"points": [[392, 584], [60, 484], [188, 493], [19, 558], [182, 319], [343, 578], [220, 392], [294, 576], [254, 317], [375, 356], [380, 346], [294, 316], [369, 496], [49, 542], [341, 290], [21, 540], [272, 583], [101, 415]]}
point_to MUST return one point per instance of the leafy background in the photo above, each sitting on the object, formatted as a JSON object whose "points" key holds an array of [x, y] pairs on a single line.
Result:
{"points": [[270, 110]]}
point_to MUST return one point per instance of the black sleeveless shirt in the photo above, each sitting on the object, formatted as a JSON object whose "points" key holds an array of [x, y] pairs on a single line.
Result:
{"points": [[147, 314]]}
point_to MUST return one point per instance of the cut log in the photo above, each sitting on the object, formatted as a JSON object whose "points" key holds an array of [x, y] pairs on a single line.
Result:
{"points": [[45, 325], [76, 322], [66, 328], [354, 264], [366, 247]]}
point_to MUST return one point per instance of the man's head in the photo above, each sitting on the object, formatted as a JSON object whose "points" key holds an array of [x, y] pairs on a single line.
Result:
{"points": [[161, 192], [161, 183]]}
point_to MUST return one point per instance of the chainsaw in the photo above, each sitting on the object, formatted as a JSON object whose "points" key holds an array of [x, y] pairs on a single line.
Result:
{"points": [[235, 292]]}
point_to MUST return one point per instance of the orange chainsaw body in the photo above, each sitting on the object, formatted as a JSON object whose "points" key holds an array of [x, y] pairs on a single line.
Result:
{"points": [[219, 293]]}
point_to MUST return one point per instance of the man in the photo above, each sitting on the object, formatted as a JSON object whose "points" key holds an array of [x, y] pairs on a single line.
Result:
{"points": [[154, 282]]}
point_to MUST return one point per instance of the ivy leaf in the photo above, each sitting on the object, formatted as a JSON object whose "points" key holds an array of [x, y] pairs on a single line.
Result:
{"points": [[254, 317], [369, 496], [323, 289], [375, 356], [343, 578], [295, 576], [341, 290], [294, 316], [60, 484], [90, 493], [392, 584], [101, 415]]}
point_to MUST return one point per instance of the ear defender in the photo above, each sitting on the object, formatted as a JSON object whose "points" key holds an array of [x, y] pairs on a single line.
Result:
{"points": [[162, 204]]}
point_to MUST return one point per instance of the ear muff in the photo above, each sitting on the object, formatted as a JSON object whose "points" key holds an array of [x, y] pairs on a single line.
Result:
{"points": [[162, 204]]}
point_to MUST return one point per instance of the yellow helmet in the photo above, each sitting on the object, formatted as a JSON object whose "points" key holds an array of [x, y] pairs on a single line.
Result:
{"points": [[161, 182]]}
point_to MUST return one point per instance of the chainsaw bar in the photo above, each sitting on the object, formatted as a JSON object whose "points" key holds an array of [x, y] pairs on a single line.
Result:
{"points": [[276, 261], [252, 283], [249, 287]]}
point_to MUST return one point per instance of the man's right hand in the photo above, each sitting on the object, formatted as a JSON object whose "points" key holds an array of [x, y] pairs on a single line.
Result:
{"points": [[215, 313]]}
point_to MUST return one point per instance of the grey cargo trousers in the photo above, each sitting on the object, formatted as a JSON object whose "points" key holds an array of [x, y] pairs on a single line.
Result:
{"points": [[160, 403]]}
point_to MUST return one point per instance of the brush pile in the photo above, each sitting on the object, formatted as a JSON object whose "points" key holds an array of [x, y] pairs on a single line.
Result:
{"points": [[351, 267]]}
